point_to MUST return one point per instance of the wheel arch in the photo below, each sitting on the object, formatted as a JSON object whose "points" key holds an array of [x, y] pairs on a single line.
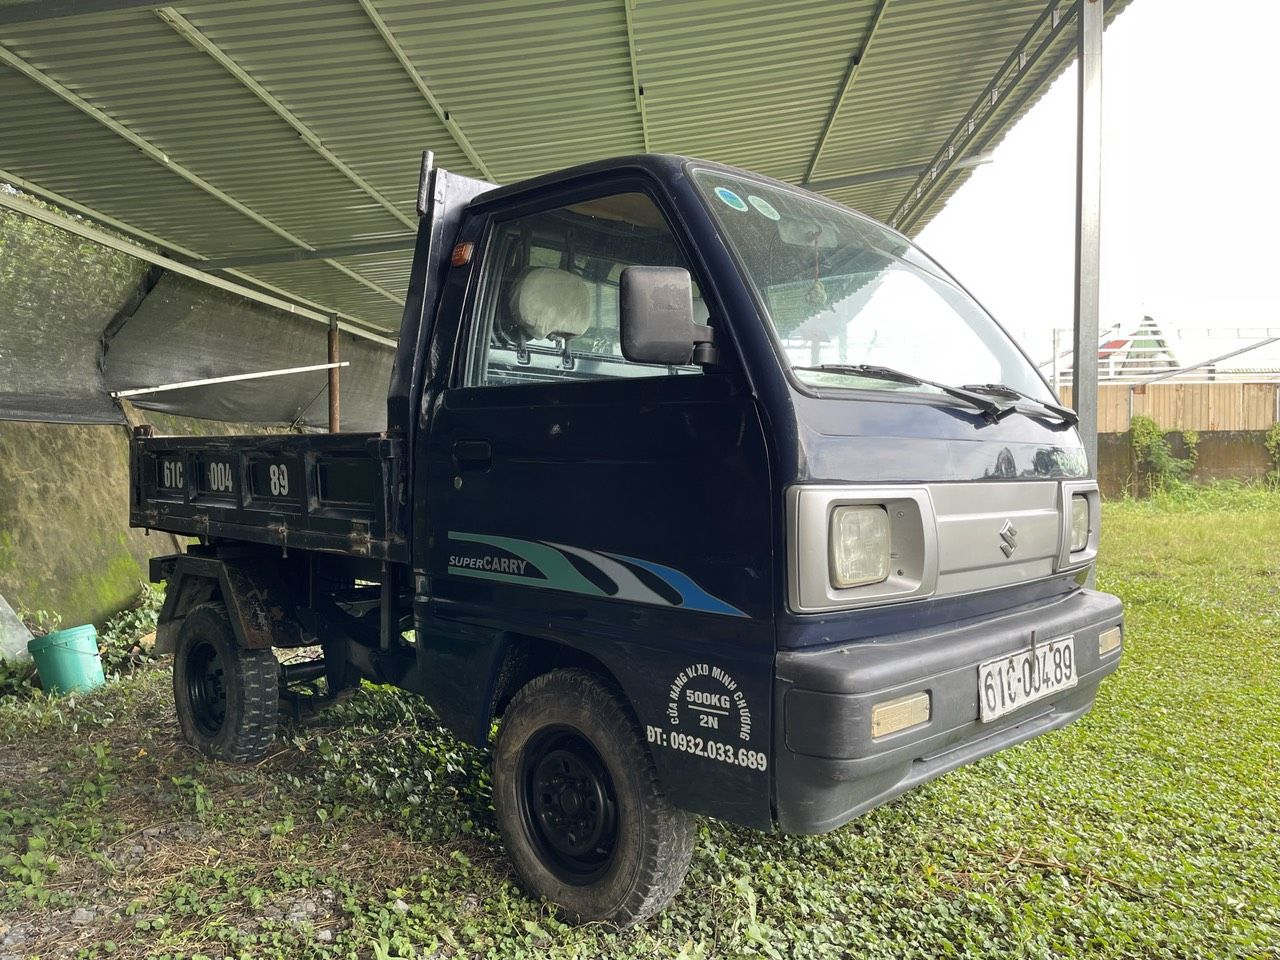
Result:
{"points": [[259, 603], [526, 657], [469, 674]]}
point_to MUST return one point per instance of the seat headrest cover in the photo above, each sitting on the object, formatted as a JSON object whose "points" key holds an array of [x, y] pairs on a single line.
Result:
{"points": [[547, 302]]}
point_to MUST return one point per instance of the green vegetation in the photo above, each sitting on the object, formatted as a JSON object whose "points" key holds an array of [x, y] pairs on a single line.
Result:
{"points": [[1272, 442], [1149, 829], [118, 641], [1153, 455]]}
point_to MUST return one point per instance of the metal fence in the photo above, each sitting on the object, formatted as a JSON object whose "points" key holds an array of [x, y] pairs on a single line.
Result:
{"points": [[1202, 406]]}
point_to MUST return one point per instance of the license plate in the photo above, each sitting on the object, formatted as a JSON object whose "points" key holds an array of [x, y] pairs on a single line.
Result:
{"points": [[1011, 682]]}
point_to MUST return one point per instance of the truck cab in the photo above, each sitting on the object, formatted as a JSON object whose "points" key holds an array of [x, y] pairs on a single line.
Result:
{"points": [[720, 497]]}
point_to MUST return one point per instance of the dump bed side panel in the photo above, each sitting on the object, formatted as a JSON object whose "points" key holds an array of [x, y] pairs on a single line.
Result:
{"points": [[330, 492]]}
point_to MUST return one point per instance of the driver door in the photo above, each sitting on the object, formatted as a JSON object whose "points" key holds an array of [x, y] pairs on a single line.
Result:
{"points": [[572, 496]]}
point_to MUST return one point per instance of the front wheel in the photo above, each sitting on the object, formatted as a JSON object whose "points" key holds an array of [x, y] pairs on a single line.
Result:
{"points": [[226, 697], [582, 816]]}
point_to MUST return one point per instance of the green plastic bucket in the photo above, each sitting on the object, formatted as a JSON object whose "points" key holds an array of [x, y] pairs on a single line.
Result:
{"points": [[67, 660]]}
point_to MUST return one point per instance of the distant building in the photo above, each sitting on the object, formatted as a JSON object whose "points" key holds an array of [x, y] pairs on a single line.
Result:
{"points": [[1149, 352], [1144, 353]]}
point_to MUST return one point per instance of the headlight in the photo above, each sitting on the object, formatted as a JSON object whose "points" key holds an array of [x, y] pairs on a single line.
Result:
{"points": [[859, 545], [1079, 523]]}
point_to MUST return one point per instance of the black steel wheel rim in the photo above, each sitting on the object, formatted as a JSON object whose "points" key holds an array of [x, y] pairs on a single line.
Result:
{"points": [[568, 805], [206, 689]]}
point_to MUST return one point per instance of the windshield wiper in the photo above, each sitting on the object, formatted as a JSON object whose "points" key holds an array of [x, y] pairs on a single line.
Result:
{"points": [[993, 411], [1068, 416]]}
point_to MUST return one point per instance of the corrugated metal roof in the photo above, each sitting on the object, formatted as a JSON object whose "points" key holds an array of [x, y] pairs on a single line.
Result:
{"points": [[223, 126]]}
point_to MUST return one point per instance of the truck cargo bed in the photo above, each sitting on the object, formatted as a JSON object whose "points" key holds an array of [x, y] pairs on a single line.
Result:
{"points": [[333, 492]]}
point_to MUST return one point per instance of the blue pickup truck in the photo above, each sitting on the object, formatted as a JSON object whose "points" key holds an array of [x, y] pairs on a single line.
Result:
{"points": [[718, 497]]}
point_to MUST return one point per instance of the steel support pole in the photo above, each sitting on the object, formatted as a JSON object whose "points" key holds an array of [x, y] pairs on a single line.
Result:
{"points": [[333, 376], [1084, 370], [1057, 349]]}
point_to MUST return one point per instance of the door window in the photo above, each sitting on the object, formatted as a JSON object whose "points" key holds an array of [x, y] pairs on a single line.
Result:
{"points": [[548, 308]]}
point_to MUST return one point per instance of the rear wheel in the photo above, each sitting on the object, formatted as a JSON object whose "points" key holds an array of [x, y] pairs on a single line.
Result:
{"points": [[582, 816], [226, 697]]}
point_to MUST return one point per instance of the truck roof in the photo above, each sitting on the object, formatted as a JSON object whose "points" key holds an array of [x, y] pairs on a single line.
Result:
{"points": [[664, 166]]}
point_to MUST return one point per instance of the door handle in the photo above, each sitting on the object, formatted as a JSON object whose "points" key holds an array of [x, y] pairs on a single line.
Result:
{"points": [[472, 455]]}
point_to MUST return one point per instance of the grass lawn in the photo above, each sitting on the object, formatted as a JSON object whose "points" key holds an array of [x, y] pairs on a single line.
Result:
{"points": [[1149, 829]]}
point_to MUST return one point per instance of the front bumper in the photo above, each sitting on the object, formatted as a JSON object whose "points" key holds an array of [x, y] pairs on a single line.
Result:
{"points": [[828, 768]]}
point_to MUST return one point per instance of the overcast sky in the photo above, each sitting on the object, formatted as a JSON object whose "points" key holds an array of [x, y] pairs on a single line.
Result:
{"points": [[1191, 206]]}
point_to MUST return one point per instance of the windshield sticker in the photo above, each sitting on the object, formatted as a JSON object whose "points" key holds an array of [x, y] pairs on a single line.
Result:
{"points": [[764, 207], [731, 199]]}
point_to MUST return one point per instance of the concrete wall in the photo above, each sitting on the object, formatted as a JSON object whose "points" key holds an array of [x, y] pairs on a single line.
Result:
{"points": [[1222, 455], [65, 542], [65, 545]]}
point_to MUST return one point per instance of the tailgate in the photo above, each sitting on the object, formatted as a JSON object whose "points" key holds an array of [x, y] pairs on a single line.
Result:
{"points": [[333, 492]]}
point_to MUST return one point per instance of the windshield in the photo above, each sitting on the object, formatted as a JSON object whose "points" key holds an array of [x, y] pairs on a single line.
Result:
{"points": [[839, 288]]}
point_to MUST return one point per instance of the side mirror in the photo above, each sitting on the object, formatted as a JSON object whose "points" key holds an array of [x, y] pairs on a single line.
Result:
{"points": [[656, 318]]}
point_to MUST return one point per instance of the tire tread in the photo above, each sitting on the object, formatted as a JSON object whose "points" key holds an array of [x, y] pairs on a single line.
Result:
{"points": [[671, 833], [255, 673]]}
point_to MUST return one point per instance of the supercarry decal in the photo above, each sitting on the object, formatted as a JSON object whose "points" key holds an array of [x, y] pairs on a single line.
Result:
{"points": [[561, 567], [708, 716]]}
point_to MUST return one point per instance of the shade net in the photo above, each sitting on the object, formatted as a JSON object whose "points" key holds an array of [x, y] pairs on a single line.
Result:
{"points": [[185, 330], [57, 295], [78, 320]]}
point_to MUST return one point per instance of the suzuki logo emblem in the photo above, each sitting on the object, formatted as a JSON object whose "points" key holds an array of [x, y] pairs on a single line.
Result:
{"points": [[1008, 538]]}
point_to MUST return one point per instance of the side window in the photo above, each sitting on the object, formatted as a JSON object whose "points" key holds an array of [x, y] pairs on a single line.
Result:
{"points": [[548, 309]]}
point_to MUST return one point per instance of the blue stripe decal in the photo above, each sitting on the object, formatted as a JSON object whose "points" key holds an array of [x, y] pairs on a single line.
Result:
{"points": [[695, 598], [554, 570]]}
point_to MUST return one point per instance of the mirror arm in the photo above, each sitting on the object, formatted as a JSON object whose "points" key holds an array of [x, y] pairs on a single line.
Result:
{"points": [[705, 351]]}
